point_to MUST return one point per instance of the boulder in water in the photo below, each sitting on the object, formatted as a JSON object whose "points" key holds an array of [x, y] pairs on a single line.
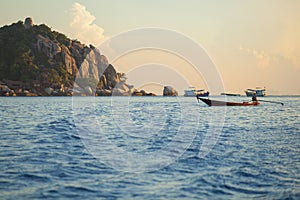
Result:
{"points": [[169, 91]]}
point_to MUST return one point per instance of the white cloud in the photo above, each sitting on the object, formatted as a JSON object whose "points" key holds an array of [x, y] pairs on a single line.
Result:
{"points": [[286, 57], [263, 59], [82, 26]]}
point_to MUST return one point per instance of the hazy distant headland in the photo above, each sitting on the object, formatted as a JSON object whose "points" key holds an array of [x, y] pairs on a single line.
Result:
{"points": [[36, 61]]}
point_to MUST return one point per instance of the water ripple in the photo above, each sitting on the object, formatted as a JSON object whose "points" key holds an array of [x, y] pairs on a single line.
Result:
{"points": [[42, 155]]}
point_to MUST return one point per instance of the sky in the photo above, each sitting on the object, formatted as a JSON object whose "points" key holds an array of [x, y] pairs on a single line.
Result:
{"points": [[252, 42]]}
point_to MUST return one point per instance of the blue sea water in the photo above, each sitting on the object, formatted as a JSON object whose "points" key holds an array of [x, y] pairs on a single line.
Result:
{"points": [[148, 148]]}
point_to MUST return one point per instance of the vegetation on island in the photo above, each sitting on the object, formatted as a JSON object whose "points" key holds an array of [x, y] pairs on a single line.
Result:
{"points": [[21, 60]]}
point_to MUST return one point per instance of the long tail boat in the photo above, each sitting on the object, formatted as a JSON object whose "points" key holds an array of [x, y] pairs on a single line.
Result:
{"points": [[210, 102]]}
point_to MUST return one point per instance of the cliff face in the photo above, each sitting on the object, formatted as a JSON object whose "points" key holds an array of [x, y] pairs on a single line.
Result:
{"points": [[80, 61], [34, 53]]}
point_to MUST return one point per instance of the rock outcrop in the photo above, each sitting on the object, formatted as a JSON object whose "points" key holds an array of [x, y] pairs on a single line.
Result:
{"points": [[48, 47], [169, 91], [83, 62], [28, 23], [123, 89], [68, 60]]}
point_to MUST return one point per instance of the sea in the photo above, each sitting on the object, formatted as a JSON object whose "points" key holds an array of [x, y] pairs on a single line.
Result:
{"points": [[148, 148]]}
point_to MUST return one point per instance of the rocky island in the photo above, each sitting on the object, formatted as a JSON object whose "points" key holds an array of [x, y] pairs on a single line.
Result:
{"points": [[36, 61]]}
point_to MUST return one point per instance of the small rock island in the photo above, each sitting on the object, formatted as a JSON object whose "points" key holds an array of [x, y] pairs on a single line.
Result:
{"points": [[169, 91]]}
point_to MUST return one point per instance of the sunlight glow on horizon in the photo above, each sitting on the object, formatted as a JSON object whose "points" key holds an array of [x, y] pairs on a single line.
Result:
{"points": [[152, 62]]}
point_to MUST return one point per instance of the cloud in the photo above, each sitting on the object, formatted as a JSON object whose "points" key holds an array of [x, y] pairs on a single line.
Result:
{"points": [[292, 55], [82, 27], [263, 59], [285, 57]]}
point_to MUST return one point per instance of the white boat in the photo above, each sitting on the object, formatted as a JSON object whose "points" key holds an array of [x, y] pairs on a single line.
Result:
{"points": [[258, 91], [192, 92]]}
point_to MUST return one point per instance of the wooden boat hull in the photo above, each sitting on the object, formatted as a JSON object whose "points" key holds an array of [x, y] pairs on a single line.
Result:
{"points": [[210, 102]]}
